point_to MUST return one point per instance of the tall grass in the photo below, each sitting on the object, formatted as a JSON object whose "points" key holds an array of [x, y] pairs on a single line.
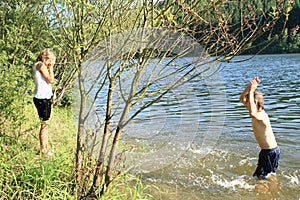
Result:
{"points": [[26, 174]]}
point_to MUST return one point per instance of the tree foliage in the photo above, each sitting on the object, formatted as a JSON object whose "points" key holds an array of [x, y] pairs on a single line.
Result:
{"points": [[23, 34]]}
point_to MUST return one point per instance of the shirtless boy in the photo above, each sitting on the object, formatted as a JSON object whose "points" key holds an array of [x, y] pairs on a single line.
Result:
{"points": [[270, 153]]}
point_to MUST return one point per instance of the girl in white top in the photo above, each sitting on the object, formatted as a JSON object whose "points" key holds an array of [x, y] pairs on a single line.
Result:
{"points": [[43, 89], [43, 77]]}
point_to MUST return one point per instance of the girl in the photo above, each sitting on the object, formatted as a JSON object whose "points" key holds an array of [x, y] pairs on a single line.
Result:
{"points": [[43, 77]]}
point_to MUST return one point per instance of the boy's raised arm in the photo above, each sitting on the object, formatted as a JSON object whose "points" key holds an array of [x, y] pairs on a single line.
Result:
{"points": [[253, 109], [243, 98], [244, 94]]}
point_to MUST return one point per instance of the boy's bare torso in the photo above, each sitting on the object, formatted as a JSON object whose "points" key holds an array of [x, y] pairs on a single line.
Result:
{"points": [[263, 131], [260, 120]]}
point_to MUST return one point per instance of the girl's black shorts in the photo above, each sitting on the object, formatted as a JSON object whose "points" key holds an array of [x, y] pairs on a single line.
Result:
{"points": [[43, 107]]}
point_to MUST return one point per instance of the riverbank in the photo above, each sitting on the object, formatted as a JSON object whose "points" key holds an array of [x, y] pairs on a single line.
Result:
{"points": [[25, 174]]}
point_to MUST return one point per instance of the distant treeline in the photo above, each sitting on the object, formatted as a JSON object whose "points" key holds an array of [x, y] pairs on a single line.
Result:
{"points": [[288, 40], [283, 38], [287, 34]]}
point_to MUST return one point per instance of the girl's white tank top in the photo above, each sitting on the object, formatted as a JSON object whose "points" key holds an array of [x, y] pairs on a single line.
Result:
{"points": [[43, 90]]}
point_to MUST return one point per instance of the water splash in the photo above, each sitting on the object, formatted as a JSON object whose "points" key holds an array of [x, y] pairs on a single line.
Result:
{"points": [[232, 183], [292, 178]]}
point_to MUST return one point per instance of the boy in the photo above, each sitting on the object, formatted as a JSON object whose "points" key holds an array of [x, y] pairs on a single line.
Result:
{"points": [[270, 153]]}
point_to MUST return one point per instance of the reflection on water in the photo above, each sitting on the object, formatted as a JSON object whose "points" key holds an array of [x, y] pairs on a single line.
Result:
{"points": [[225, 169]]}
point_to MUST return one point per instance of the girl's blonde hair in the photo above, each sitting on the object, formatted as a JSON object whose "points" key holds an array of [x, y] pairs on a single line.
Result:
{"points": [[46, 53]]}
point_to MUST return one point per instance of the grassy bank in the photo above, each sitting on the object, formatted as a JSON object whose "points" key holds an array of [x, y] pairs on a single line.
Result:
{"points": [[25, 174]]}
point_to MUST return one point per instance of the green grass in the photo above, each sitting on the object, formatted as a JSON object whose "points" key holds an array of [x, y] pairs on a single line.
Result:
{"points": [[26, 174]]}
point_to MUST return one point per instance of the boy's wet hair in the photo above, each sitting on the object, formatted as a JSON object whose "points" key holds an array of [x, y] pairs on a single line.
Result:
{"points": [[258, 99]]}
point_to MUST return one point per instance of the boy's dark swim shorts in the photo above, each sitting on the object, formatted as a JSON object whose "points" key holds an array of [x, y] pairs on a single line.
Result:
{"points": [[267, 162], [43, 107]]}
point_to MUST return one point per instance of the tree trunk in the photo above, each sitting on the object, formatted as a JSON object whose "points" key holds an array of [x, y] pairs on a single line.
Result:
{"points": [[79, 153], [108, 174], [99, 166], [113, 151]]}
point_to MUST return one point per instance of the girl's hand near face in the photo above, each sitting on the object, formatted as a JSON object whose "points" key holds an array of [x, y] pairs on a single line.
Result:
{"points": [[47, 73], [39, 64]]}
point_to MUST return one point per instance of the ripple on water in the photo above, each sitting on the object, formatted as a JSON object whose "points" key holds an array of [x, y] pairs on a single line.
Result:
{"points": [[224, 170]]}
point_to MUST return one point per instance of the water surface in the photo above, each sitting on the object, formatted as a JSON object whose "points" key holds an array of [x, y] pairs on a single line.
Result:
{"points": [[199, 144]]}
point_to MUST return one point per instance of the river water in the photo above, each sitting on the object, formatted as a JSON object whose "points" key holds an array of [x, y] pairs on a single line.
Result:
{"points": [[198, 143]]}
